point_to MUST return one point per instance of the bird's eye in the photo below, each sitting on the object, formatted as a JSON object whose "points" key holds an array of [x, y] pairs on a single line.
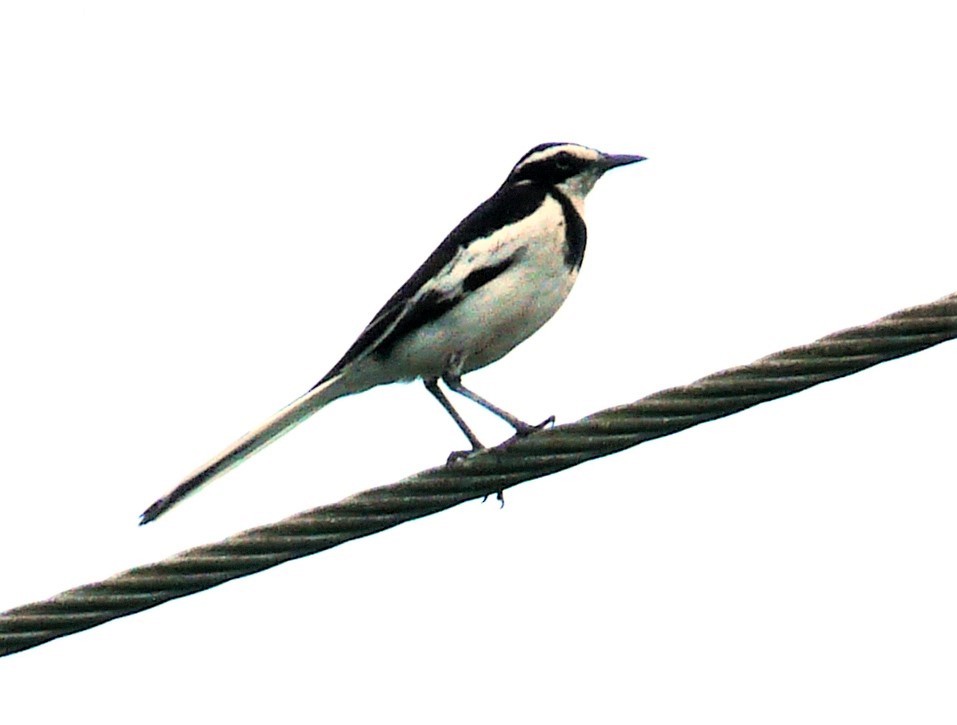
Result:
{"points": [[563, 161]]}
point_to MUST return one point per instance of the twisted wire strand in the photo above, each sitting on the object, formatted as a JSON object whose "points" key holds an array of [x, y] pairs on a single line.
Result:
{"points": [[496, 469]]}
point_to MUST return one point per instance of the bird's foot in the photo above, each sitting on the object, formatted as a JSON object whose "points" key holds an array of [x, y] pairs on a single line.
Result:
{"points": [[525, 429], [500, 495], [521, 430], [457, 456]]}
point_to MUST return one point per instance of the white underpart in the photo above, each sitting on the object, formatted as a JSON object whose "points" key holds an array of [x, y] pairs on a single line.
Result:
{"points": [[496, 317]]}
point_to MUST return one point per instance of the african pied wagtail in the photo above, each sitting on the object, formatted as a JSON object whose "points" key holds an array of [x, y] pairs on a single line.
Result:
{"points": [[498, 277]]}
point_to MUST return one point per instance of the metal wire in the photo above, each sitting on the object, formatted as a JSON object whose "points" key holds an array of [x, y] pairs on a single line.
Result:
{"points": [[544, 452]]}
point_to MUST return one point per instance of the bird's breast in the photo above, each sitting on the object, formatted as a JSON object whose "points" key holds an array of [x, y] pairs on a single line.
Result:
{"points": [[519, 278]]}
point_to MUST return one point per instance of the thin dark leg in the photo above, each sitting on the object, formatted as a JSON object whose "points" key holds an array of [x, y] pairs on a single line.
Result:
{"points": [[520, 426], [432, 385]]}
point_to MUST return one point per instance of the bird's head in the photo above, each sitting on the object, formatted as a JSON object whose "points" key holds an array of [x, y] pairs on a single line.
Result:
{"points": [[568, 167]]}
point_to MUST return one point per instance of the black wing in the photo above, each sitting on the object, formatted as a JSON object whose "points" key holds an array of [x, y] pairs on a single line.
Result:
{"points": [[406, 310]]}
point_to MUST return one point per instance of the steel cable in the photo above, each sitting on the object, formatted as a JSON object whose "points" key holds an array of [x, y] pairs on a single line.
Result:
{"points": [[494, 470]]}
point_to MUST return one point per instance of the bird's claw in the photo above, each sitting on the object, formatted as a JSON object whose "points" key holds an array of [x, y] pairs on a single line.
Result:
{"points": [[527, 429], [500, 495], [457, 456]]}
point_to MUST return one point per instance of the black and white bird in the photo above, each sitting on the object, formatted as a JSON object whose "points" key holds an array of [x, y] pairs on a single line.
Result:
{"points": [[498, 277]]}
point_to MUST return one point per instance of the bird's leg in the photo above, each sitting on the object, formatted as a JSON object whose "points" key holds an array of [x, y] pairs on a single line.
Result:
{"points": [[454, 381], [521, 427], [432, 385]]}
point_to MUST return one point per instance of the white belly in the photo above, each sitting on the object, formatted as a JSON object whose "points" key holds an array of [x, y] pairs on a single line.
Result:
{"points": [[496, 317]]}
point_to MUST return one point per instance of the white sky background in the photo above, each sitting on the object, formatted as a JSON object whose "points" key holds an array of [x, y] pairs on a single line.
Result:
{"points": [[203, 204]]}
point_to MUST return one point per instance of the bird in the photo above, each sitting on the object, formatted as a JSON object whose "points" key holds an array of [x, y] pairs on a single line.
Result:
{"points": [[496, 278]]}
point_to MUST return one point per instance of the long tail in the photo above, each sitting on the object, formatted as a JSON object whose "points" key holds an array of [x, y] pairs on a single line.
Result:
{"points": [[280, 423]]}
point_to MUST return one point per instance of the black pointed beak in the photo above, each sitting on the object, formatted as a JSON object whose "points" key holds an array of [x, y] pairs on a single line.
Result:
{"points": [[610, 161]]}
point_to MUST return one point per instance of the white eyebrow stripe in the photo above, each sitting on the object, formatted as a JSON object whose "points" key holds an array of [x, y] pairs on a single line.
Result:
{"points": [[582, 152]]}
